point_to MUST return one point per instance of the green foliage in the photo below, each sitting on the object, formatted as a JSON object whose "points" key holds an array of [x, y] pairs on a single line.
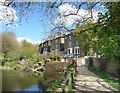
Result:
{"points": [[90, 62], [86, 38], [71, 65], [28, 49], [10, 45], [10, 64], [95, 69], [21, 57], [46, 61], [41, 57], [105, 38], [108, 36], [17, 66]]}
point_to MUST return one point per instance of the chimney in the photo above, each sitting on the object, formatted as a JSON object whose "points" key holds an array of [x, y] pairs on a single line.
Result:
{"points": [[50, 36], [56, 35], [44, 40], [59, 33]]}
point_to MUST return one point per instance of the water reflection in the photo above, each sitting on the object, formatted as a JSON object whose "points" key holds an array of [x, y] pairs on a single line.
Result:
{"points": [[18, 81], [25, 81]]}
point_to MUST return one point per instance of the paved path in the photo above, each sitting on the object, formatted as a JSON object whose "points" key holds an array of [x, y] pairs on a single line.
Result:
{"points": [[87, 81]]}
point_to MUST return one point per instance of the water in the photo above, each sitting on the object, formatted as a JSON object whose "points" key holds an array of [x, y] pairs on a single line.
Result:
{"points": [[25, 81], [21, 81]]}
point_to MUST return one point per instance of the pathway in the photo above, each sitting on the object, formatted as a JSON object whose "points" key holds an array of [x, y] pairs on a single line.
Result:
{"points": [[87, 81]]}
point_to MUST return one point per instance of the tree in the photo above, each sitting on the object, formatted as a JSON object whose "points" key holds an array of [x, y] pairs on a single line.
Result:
{"points": [[86, 39], [10, 45], [28, 49], [108, 35]]}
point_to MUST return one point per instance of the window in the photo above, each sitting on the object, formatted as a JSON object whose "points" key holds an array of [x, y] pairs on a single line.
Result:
{"points": [[69, 43], [53, 42], [56, 46], [76, 42], [52, 47], [69, 37], [56, 40], [76, 50], [69, 50]]}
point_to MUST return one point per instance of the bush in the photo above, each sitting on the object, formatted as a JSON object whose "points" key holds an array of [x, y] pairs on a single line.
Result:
{"points": [[38, 59], [46, 61], [12, 59], [21, 58], [102, 66], [10, 64], [17, 66], [97, 69], [4, 60], [90, 62]]}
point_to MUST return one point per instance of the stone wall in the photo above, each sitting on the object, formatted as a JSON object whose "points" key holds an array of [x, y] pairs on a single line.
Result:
{"points": [[110, 66]]}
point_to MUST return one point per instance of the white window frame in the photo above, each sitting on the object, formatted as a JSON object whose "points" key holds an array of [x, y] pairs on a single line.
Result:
{"points": [[70, 51], [77, 50]]}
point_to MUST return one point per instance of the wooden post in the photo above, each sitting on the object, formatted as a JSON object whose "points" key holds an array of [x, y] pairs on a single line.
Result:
{"points": [[72, 77]]}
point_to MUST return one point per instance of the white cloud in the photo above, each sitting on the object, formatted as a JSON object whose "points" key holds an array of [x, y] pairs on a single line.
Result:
{"points": [[67, 9], [7, 15], [28, 40]]}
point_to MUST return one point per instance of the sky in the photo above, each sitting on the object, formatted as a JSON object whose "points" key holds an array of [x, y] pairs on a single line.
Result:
{"points": [[34, 30]]}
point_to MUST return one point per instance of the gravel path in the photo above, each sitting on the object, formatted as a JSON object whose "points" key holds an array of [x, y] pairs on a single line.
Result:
{"points": [[87, 81]]}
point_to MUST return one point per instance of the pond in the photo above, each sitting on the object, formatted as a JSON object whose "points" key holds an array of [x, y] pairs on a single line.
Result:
{"points": [[13, 80]]}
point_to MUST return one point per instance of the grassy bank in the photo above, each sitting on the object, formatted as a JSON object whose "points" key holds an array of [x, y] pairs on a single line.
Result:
{"points": [[114, 82]]}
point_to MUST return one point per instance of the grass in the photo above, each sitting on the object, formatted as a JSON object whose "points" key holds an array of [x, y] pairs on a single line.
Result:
{"points": [[107, 78], [54, 61]]}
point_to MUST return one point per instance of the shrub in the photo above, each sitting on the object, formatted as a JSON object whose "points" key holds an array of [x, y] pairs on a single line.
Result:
{"points": [[46, 61], [38, 59], [4, 60], [21, 58], [17, 66], [97, 69], [102, 66], [10, 64], [90, 62], [12, 59]]}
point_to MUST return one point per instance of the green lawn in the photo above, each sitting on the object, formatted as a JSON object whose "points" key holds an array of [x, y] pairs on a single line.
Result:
{"points": [[114, 82]]}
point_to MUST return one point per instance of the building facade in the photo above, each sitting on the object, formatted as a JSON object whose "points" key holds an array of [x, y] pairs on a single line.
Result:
{"points": [[64, 43]]}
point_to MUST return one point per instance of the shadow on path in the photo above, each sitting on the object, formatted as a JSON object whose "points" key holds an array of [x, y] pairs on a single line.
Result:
{"points": [[87, 82]]}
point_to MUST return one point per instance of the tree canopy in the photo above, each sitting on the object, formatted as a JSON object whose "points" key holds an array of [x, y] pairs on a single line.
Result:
{"points": [[12, 48], [10, 45]]}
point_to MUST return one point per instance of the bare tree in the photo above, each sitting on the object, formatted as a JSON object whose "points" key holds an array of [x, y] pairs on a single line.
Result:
{"points": [[50, 11]]}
